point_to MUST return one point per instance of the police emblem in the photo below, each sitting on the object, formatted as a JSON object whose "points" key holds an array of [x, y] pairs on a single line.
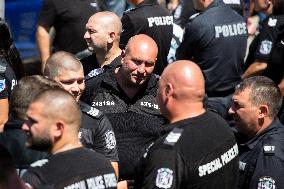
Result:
{"points": [[2, 85], [110, 140], [272, 22], [265, 47], [164, 178], [266, 183]]}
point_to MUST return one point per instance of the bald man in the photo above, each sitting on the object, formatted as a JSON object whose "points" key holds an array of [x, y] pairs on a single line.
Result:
{"points": [[127, 95], [200, 150], [102, 35], [96, 131], [53, 122]]}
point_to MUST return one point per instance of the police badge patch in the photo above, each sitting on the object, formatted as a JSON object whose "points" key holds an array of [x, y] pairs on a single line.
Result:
{"points": [[164, 178], [110, 140], [265, 47], [266, 182], [2, 85]]}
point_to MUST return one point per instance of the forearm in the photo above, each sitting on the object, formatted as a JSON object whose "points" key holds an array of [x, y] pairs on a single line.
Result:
{"points": [[4, 109], [43, 42], [256, 68]]}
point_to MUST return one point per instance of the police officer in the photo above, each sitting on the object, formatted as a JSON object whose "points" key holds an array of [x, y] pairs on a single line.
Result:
{"points": [[151, 19], [216, 40], [255, 104], [127, 96], [200, 150], [260, 61], [52, 125], [96, 131]]}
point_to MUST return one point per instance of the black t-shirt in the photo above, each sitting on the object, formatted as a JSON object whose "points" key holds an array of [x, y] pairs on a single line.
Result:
{"points": [[216, 40], [76, 168], [151, 19], [136, 122], [8, 79], [69, 19], [96, 132], [199, 152], [262, 158]]}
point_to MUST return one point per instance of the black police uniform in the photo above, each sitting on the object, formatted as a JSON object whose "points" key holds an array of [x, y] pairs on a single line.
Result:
{"points": [[14, 139], [199, 152], [151, 19], [7, 79], [69, 19], [262, 159], [96, 132], [77, 168], [136, 122], [263, 45], [216, 40]]}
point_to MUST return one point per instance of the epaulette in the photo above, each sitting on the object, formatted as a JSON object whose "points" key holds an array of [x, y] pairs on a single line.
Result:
{"points": [[94, 73], [272, 22], [39, 163], [269, 147], [130, 9], [93, 112], [173, 136], [194, 16]]}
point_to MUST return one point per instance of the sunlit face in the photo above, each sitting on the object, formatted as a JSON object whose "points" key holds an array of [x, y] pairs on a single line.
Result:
{"points": [[96, 36], [244, 112], [138, 65], [72, 81], [38, 128]]}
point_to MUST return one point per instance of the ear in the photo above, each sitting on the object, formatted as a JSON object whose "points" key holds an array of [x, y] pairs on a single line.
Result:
{"points": [[59, 129], [263, 111], [111, 37], [169, 90], [123, 54]]}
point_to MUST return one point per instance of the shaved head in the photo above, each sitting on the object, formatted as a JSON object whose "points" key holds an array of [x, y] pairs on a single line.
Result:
{"points": [[60, 105], [59, 61], [181, 91]]}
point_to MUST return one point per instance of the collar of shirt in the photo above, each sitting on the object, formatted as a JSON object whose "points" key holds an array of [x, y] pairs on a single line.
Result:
{"points": [[253, 142], [216, 3], [148, 2]]}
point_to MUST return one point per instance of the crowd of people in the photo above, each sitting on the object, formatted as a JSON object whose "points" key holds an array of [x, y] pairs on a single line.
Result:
{"points": [[170, 94]]}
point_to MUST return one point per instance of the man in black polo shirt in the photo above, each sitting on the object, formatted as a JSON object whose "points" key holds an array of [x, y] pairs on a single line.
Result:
{"points": [[96, 131], [260, 136], [53, 123], [200, 150], [127, 96], [152, 19]]}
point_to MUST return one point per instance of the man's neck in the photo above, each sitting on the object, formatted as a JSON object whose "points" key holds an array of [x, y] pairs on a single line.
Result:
{"points": [[106, 58], [65, 147]]}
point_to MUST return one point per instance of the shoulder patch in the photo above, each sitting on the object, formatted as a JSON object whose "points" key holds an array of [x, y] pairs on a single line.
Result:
{"points": [[272, 22], [269, 149], [265, 47], [173, 136], [164, 178], [194, 16], [266, 182], [2, 84], [110, 139], [39, 163], [94, 73]]}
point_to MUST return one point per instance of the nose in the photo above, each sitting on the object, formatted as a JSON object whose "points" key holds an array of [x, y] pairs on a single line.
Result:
{"points": [[75, 87], [86, 35], [141, 68]]}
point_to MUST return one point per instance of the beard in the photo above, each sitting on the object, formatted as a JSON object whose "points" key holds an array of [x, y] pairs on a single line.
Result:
{"points": [[39, 143]]}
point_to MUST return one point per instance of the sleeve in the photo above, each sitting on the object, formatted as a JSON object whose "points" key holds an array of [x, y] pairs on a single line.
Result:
{"points": [[105, 140], [3, 87], [32, 178], [47, 14], [266, 40], [189, 43], [268, 172], [160, 170], [127, 30]]}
